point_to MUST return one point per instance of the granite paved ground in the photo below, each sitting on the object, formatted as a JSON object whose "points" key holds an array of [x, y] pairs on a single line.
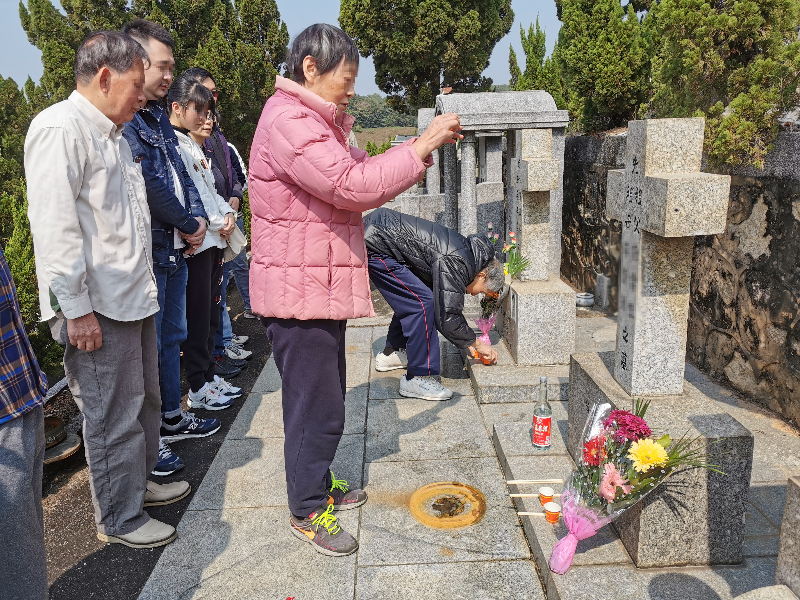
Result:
{"points": [[234, 539]]}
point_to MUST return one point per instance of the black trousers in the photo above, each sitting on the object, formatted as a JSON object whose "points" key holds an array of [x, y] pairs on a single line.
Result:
{"points": [[310, 356], [203, 290]]}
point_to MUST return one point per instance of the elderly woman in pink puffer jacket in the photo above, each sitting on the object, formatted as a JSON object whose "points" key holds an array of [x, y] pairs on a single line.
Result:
{"points": [[308, 275]]}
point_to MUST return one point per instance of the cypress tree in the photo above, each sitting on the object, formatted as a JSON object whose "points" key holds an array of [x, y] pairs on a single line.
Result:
{"points": [[540, 73], [419, 46], [735, 62], [604, 56]]}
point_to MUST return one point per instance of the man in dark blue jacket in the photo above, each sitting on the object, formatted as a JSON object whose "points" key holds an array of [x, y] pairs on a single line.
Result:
{"points": [[178, 224]]}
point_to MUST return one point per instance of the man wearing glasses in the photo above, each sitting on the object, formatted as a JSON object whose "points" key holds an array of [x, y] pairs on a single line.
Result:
{"points": [[179, 224]]}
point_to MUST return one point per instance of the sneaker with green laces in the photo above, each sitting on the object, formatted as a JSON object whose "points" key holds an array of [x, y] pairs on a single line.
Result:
{"points": [[341, 497], [321, 529]]}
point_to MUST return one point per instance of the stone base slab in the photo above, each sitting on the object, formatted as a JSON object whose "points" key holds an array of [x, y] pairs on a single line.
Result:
{"points": [[602, 567], [697, 517], [506, 382], [538, 321]]}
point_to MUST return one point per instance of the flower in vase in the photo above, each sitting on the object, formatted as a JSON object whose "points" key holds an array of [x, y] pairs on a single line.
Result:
{"points": [[647, 454], [630, 428], [611, 480], [594, 451]]}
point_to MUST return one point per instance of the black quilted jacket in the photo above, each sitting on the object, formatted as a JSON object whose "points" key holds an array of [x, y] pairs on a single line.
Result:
{"points": [[443, 259]]}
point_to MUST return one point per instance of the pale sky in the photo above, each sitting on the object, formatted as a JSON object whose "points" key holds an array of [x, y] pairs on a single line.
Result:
{"points": [[18, 58]]}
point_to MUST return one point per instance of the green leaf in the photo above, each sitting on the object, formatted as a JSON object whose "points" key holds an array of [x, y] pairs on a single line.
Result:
{"points": [[664, 441]]}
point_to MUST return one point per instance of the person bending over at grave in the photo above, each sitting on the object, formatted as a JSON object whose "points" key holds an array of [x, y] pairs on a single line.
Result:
{"points": [[423, 270]]}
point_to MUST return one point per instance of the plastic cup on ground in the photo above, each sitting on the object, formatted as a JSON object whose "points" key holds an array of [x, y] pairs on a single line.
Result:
{"points": [[552, 511], [545, 495]]}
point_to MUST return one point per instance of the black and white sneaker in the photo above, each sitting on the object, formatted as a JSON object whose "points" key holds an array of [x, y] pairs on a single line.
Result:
{"points": [[189, 427], [226, 388]]}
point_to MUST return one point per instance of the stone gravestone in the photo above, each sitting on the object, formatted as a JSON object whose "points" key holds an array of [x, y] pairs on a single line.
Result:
{"points": [[537, 319], [663, 200], [788, 570]]}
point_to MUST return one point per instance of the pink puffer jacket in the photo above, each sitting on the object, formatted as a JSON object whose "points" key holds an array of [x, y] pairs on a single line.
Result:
{"points": [[307, 191]]}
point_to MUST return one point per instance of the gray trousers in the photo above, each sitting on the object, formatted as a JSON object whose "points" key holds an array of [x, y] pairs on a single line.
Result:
{"points": [[23, 575], [116, 388]]}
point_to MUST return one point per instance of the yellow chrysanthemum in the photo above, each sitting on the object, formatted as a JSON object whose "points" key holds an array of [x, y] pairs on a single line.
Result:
{"points": [[647, 454]]}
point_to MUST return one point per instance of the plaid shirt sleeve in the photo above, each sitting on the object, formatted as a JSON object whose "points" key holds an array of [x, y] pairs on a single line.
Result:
{"points": [[22, 384]]}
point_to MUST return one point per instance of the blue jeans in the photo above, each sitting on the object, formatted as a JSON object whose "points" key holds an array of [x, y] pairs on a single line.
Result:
{"points": [[240, 269], [171, 329]]}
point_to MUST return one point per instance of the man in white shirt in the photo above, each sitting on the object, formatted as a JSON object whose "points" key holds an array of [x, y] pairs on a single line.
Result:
{"points": [[91, 233]]}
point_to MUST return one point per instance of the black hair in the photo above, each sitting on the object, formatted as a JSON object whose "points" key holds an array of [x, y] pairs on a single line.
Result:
{"points": [[142, 29], [187, 90], [111, 49], [199, 74], [326, 44]]}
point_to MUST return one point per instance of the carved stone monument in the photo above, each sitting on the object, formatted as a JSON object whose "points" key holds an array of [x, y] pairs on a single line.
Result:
{"points": [[663, 200]]}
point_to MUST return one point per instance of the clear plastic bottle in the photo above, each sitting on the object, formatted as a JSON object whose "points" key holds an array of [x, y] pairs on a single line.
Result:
{"points": [[542, 418]]}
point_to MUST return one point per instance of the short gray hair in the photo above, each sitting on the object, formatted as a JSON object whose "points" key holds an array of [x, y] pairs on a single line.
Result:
{"points": [[111, 49], [326, 44], [495, 275]]}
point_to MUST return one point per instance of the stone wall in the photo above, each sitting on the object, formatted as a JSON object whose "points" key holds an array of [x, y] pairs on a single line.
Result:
{"points": [[743, 323], [590, 242]]}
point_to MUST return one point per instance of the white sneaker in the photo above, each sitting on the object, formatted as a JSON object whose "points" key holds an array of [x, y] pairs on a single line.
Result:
{"points": [[209, 397], [237, 352], [396, 360], [239, 340], [427, 388], [227, 389]]}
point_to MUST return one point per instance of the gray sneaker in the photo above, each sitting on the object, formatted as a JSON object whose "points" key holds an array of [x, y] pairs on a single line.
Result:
{"points": [[341, 497], [425, 387], [321, 529]]}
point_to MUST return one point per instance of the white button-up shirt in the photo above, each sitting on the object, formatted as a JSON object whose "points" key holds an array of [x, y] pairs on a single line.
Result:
{"points": [[89, 215]]}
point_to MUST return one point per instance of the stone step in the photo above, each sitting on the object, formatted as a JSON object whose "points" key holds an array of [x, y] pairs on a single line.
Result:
{"points": [[506, 382]]}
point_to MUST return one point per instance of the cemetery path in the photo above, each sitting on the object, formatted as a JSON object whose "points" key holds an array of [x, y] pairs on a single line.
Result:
{"points": [[234, 540]]}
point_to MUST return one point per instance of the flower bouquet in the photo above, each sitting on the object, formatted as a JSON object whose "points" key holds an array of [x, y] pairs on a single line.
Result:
{"points": [[620, 464], [516, 262]]}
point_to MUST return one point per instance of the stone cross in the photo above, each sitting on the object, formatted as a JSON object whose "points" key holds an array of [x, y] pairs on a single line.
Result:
{"points": [[534, 175], [662, 200]]}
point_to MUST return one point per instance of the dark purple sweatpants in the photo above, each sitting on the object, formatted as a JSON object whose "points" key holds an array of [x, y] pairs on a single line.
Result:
{"points": [[310, 356], [413, 326]]}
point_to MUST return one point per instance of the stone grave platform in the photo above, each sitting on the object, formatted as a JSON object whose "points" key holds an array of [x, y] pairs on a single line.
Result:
{"points": [[603, 568], [507, 381]]}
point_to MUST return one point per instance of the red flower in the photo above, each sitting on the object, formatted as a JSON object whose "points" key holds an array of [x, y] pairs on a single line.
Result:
{"points": [[594, 451], [629, 426]]}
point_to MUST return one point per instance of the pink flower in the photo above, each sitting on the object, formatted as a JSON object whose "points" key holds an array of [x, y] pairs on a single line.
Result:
{"points": [[490, 225], [611, 480], [512, 234]]}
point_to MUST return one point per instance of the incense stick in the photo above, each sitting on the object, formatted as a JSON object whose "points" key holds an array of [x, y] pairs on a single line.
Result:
{"points": [[533, 481], [529, 495]]}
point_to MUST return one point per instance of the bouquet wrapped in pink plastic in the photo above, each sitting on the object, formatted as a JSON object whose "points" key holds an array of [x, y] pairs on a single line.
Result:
{"points": [[619, 465]]}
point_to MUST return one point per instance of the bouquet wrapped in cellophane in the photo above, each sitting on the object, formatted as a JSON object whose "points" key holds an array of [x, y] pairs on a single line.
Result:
{"points": [[620, 464]]}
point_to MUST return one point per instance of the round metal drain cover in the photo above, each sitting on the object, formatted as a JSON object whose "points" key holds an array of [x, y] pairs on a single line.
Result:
{"points": [[447, 505]]}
